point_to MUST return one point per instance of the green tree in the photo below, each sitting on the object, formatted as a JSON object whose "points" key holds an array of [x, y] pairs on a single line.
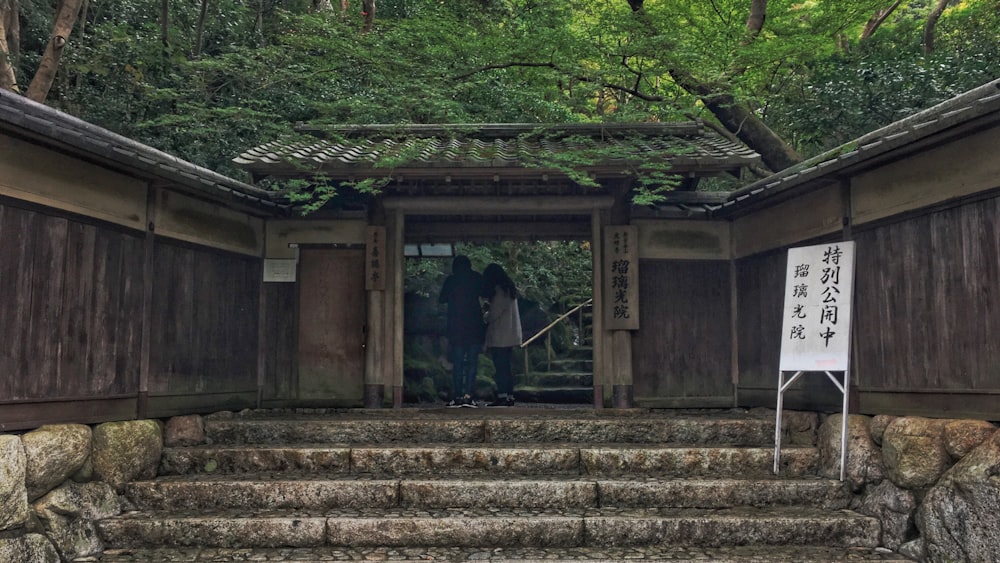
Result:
{"points": [[235, 73]]}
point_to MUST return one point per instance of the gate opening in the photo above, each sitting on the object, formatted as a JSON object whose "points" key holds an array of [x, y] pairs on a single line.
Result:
{"points": [[554, 280]]}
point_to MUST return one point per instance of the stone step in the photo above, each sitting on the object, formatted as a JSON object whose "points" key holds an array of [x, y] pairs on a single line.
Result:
{"points": [[558, 378], [493, 460], [486, 425], [609, 528], [645, 554], [266, 492]]}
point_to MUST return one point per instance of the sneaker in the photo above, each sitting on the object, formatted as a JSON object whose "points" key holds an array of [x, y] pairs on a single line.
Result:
{"points": [[509, 401], [454, 403]]}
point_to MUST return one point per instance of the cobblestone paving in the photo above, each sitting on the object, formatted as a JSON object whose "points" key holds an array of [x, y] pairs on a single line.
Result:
{"points": [[521, 555]]}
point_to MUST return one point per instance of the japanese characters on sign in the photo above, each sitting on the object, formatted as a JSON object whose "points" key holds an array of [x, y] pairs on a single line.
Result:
{"points": [[816, 329], [375, 259], [621, 278]]}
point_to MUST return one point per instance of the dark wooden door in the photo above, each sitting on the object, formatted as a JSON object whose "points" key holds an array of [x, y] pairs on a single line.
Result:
{"points": [[331, 325]]}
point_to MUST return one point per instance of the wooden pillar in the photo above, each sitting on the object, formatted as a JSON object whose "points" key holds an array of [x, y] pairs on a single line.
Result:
{"points": [[734, 322], [262, 325], [600, 377], [620, 340], [148, 265], [622, 394], [847, 222], [395, 373], [375, 284]]}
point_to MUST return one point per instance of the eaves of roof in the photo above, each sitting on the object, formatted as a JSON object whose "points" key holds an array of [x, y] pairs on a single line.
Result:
{"points": [[64, 132], [980, 104], [474, 150]]}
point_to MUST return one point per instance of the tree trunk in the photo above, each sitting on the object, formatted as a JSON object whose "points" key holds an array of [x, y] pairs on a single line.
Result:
{"points": [[38, 90], [877, 19], [81, 31], [199, 32], [754, 25], [740, 121], [735, 117], [931, 24], [755, 22], [368, 12], [8, 20], [165, 23]]}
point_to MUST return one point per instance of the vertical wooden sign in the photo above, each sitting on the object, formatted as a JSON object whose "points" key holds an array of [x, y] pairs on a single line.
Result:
{"points": [[816, 332], [375, 259], [621, 278]]}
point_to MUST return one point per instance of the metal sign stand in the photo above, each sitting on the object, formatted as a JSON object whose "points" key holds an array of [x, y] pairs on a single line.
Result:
{"points": [[816, 326], [844, 388]]}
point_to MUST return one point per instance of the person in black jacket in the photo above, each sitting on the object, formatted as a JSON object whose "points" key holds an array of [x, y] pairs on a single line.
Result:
{"points": [[465, 330]]}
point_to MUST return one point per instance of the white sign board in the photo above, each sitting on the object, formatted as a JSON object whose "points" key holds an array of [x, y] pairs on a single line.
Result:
{"points": [[816, 330], [279, 270]]}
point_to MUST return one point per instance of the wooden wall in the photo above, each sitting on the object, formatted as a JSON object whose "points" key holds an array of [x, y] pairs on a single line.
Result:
{"points": [[681, 352], [73, 317], [204, 329], [927, 294], [927, 284], [926, 313], [72, 311], [279, 344]]}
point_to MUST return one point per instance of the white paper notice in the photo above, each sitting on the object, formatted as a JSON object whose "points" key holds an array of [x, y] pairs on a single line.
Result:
{"points": [[816, 330]]}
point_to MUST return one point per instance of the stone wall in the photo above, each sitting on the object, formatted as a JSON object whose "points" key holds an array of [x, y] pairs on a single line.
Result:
{"points": [[55, 481], [933, 483]]}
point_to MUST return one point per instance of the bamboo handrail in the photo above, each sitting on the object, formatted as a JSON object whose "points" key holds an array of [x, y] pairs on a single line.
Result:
{"points": [[555, 322]]}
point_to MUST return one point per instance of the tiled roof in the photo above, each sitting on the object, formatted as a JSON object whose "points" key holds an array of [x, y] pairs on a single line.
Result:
{"points": [[55, 128], [977, 103], [471, 149]]}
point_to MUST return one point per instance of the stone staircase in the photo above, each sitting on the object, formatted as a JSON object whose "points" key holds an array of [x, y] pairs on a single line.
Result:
{"points": [[566, 379], [519, 484]]}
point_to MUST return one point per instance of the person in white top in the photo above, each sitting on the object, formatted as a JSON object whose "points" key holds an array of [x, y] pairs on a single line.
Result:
{"points": [[503, 328]]}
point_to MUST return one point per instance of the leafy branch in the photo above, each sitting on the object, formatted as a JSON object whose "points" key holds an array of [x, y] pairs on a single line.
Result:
{"points": [[632, 91]]}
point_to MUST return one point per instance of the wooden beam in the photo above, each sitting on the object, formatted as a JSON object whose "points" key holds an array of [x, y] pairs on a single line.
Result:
{"points": [[498, 205], [522, 230]]}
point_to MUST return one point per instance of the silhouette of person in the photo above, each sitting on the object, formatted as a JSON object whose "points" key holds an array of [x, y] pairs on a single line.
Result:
{"points": [[465, 328]]}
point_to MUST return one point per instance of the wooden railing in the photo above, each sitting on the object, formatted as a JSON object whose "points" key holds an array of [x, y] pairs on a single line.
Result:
{"points": [[548, 335]]}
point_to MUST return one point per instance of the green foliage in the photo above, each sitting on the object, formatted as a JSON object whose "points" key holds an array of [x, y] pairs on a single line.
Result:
{"points": [[268, 65], [424, 378], [844, 95], [554, 274]]}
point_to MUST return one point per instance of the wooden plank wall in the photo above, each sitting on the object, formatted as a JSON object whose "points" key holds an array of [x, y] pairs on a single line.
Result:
{"points": [[926, 313], [203, 346], [927, 290], [71, 310], [72, 322], [681, 352], [280, 344]]}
